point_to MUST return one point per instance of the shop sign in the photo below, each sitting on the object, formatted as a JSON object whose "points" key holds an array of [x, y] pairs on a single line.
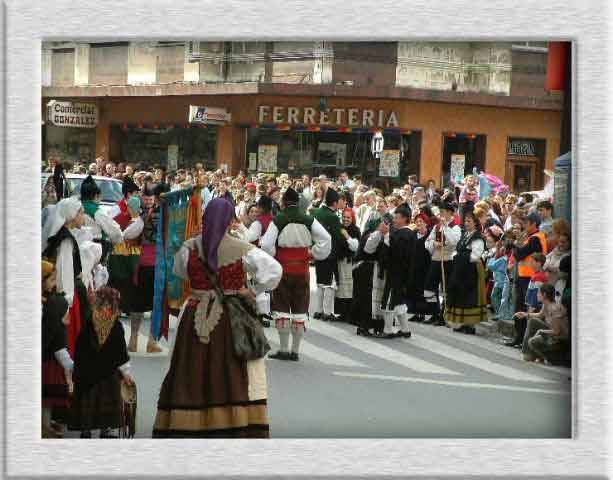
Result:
{"points": [[352, 117], [69, 114], [522, 147], [209, 115]]}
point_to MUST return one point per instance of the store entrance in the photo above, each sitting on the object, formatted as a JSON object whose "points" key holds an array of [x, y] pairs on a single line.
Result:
{"points": [[461, 153]]}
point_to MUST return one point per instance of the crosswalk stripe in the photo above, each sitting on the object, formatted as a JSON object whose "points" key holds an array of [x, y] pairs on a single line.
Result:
{"points": [[484, 344], [457, 355], [371, 347], [452, 383], [322, 355]]}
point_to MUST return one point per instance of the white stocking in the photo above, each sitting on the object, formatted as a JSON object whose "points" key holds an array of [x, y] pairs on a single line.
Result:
{"points": [[328, 303]]}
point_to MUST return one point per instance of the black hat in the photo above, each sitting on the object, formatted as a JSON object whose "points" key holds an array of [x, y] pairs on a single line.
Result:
{"points": [[290, 196], [331, 196], [265, 203], [448, 206], [89, 189], [128, 186]]}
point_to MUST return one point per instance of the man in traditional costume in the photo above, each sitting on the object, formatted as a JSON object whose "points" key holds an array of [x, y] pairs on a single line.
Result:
{"points": [[399, 292], [208, 391], [289, 238], [256, 231], [441, 244], [123, 262], [145, 275], [326, 270]]}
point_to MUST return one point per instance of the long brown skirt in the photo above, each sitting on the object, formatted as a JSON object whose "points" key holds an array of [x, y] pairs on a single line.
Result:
{"points": [[206, 390]]}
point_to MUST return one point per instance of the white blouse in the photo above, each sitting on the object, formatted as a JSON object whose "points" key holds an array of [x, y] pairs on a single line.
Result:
{"points": [[265, 271]]}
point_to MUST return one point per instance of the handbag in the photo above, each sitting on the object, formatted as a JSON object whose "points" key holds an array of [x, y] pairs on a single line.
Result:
{"points": [[248, 338]]}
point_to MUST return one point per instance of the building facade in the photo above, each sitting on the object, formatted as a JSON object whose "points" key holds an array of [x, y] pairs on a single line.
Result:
{"points": [[309, 107]]}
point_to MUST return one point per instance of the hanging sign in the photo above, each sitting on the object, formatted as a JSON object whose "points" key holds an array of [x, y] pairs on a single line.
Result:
{"points": [[69, 114], [267, 158], [389, 166], [209, 115], [458, 163]]}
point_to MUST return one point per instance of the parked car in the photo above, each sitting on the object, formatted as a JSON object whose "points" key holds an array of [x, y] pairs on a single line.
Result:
{"points": [[110, 188]]}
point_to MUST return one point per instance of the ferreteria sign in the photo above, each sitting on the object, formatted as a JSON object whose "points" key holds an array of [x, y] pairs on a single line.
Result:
{"points": [[352, 117], [69, 114]]}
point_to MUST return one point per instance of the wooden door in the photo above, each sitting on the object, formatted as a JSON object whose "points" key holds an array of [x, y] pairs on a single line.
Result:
{"points": [[522, 175]]}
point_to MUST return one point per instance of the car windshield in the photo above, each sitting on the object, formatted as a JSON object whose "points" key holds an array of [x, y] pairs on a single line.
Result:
{"points": [[110, 191]]}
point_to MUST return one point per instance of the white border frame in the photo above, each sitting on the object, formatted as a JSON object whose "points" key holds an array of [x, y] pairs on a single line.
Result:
{"points": [[28, 23]]}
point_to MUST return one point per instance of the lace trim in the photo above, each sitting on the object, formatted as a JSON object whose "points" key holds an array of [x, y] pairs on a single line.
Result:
{"points": [[207, 315]]}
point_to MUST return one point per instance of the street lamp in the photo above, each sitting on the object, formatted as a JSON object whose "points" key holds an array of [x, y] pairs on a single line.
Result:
{"points": [[376, 145]]}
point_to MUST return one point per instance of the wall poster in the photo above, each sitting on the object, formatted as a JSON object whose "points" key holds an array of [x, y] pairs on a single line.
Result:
{"points": [[267, 158], [389, 165], [458, 163]]}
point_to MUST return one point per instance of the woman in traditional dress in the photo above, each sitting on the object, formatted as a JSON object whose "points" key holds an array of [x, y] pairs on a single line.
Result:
{"points": [[208, 391], [346, 254], [60, 247], [466, 293], [101, 363]]}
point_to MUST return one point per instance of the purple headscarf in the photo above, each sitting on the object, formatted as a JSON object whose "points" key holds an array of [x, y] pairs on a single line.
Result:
{"points": [[218, 215]]}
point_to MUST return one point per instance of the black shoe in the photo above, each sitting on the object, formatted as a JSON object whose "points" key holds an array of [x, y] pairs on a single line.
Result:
{"points": [[363, 332], [386, 335], [265, 323], [280, 355], [86, 434], [459, 329], [318, 315], [440, 322], [430, 321], [330, 318], [402, 334], [106, 433], [293, 357], [469, 330], [512, 343]]}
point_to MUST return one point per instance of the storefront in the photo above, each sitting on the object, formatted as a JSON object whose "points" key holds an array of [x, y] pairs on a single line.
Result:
{"points": [[69, 132], [314, 134]]}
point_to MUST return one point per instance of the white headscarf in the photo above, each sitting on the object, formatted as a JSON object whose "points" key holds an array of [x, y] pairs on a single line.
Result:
{"points": [[64, 211]]}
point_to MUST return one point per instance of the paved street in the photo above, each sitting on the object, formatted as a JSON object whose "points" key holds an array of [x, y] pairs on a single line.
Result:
{"points": [[436, 384]]}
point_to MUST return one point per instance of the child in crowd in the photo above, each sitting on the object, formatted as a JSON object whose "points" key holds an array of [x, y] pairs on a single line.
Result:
{"points": [[101, 364], [56, 362], [539, 278], [500, 292]]}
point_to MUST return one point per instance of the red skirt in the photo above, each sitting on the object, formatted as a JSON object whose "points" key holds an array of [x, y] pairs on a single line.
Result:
{"points": [[55, 388], [74, 327]]}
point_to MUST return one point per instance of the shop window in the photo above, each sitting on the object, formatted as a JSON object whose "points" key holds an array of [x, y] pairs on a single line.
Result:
{"points": [[70, 145], [462, 153], [172, 147], [328, 153]]}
